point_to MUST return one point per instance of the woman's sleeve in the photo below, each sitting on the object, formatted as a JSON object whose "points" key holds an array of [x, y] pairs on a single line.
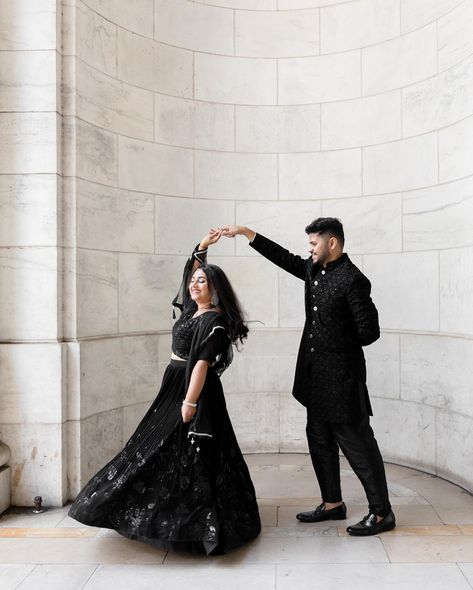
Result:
{"points": [[215, 343], [197, 258]]}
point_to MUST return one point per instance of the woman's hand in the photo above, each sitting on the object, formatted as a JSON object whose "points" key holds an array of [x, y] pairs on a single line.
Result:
{"points": [[212, 237], [196, 383], [188, 412], [230, 231]]}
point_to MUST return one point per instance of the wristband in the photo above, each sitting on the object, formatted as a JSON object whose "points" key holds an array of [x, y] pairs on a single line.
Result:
{"points": [[191, 404]]}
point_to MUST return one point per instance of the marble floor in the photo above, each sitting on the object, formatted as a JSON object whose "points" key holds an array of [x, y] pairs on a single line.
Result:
{"points": [[432, 547]]}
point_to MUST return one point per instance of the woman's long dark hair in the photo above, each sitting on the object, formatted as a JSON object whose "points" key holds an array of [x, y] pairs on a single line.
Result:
{"points": [[220, 286]]}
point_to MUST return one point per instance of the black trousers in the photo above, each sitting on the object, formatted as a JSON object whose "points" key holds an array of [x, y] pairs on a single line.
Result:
{"points": [[357, 442]]}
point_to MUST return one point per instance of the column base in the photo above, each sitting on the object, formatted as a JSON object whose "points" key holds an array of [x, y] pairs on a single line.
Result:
{"points": [[5, 483]]}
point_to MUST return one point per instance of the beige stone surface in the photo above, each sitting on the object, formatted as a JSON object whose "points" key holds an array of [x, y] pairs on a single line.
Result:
{"points": [[404, 60], [308, 80], [154, 66], [294, 128], [28, 24], [287, 33], [328, 175], [357, 24], [455, 284], [133, 15], [235, 80], [28, 210], [401, 165], [195, 26]]}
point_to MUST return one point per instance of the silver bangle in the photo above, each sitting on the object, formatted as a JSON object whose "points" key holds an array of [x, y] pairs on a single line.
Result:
{"points": [[186, 403]]}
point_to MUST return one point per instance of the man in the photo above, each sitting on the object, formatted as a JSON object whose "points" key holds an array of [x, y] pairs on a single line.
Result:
{"points": [[330, 378]]}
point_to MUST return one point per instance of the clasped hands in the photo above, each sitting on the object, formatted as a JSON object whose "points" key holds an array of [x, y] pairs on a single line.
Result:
{"points": [[229, 231]]}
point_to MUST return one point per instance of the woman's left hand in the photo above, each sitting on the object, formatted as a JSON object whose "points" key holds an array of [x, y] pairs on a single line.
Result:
{"points": [[188, 412], [212, 237]]}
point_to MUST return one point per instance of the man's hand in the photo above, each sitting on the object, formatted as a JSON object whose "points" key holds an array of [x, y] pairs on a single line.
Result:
{"points": [[230, 231]]}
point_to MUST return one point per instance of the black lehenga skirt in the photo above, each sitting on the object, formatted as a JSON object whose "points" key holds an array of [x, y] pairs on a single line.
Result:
{"points": [[174, 491]]}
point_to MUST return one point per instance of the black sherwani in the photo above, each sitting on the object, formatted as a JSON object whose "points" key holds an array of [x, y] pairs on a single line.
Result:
{"points": [[330, 377], [340, 319]]}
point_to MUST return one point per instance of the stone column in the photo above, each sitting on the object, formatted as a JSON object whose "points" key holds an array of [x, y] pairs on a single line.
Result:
{"points": [[5, 477], [31, 350]]}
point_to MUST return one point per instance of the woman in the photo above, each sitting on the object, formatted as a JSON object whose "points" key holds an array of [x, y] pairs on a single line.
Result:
{"points": [[181, 482]]}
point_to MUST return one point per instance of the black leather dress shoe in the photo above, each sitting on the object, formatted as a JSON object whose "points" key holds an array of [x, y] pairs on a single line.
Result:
{"points": [[369, 526], [320, 514]]}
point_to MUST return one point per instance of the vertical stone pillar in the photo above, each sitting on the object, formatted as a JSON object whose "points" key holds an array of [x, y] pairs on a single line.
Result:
{"points": [[5, 476], [31, 350]]}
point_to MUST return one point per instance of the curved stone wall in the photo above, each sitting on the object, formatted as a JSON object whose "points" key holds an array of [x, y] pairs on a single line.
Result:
{"points": [[131, 126], [269, 113]]}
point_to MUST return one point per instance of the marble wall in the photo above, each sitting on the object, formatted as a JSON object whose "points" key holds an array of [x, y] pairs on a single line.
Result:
{"points": [[178, 115]]}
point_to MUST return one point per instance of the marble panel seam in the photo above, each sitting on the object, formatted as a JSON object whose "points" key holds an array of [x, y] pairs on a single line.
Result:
{"points": [[436, 130], [278, 59], [430, 22], [292, 104], [235, 10]]}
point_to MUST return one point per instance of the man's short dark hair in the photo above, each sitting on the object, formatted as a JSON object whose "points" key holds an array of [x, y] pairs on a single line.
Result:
{"points": [[327, 225]]}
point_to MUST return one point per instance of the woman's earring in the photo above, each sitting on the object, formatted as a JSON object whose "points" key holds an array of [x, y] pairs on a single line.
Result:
{"points": [[214, 299]]}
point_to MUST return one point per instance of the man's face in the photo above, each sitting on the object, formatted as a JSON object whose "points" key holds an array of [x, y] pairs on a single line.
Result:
{"points": [[319, 247]]}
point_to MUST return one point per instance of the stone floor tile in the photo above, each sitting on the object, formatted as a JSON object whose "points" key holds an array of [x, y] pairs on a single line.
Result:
{"points": [[455, 514], [395, 501], [453, 504], [466, 529], [370, 577], [396, 489], [12, 575], [270, 484], [78, 551], [435, 488], [467, 570], [51, 517], [412, 515], [44, 533], [58, 577], [267, 549], [288, 501], [67, 521], [275, 459], [268, 515], [109, 533], [175, 577], [300, 530], [398, 472], [428, 549]]}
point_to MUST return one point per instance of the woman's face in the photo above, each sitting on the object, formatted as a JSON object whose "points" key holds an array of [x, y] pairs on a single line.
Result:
{"points": [[199, 287]]}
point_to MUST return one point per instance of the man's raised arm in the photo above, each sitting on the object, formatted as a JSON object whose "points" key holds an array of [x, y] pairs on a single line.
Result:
{"points": [[292, 263]]}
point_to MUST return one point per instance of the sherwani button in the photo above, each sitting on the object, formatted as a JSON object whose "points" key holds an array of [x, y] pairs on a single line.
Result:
{"points": [[315, 308], [311, 350], [323, 272], [316, 283]]}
